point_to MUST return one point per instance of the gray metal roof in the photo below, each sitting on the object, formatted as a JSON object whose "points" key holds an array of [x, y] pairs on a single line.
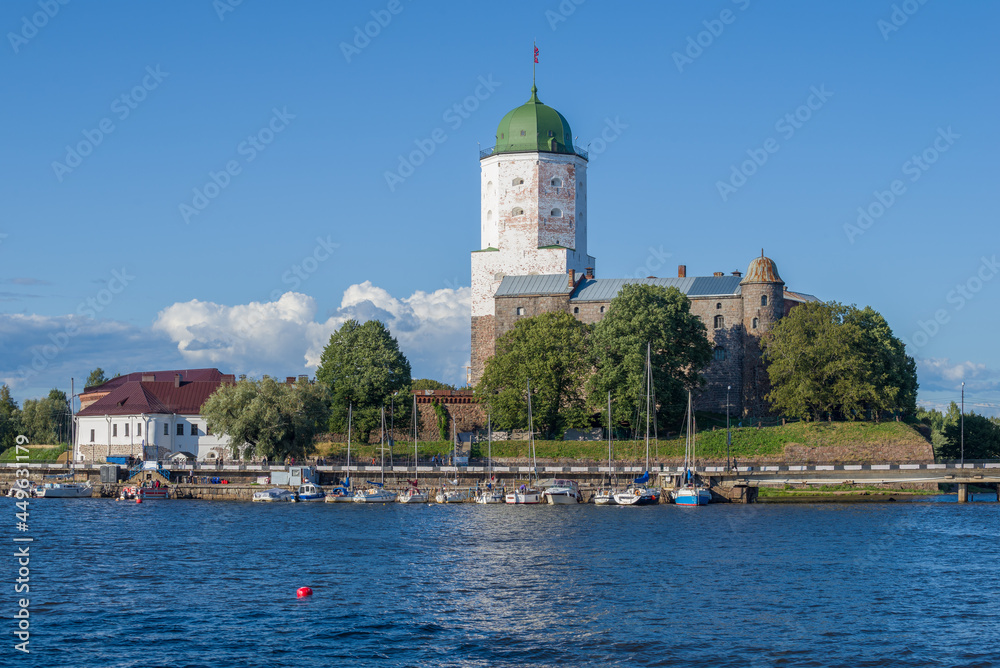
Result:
{"points": [[606, 289], [539, 284]]}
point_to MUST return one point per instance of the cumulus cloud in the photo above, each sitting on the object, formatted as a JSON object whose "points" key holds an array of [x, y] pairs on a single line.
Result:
{"points": [[941, 381], [285, 336]]}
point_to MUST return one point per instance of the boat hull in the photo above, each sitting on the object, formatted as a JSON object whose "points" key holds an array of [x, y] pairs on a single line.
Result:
{"points": [[374, 497], [523, 498], [490, 497], [74, 492], [604, 499], [632, 498], [690, 498], [416, 497], [562, 499]]}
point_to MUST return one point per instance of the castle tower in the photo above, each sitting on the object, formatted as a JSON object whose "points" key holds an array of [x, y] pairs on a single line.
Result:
{"points": [[533, 211], [763, 305]]}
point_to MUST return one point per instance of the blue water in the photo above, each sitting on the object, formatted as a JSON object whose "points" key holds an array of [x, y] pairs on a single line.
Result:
{"points": [[190, 583]]}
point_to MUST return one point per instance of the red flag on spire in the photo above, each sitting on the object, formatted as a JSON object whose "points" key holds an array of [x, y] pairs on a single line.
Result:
{"points": [[536, 54]]}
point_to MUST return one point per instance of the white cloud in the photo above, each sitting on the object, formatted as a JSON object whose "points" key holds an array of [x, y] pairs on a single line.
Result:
{"points": [[285, 337], [941, 383]]}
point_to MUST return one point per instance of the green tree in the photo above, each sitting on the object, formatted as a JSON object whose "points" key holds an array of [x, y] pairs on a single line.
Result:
{"points": [[428, 384], [265, 418], [891, 373], [982, 438], [96, 378], [363, 366], [679, 350], [552, 351], [10, 419]]}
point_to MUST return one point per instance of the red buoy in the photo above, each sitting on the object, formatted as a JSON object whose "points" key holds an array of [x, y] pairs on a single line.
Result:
{"points": [[138, 499], [303, 592]]}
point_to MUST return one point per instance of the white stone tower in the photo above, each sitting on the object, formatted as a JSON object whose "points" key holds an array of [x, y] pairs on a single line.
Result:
{"points": [[533, 211]]}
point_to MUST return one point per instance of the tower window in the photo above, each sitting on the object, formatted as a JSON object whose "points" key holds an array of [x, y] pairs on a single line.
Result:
{"points": [[720, 353], [501, 135], [763, 300], [517, 182], [720, 322], [522, 133], [556, 213], [718, 305], [556, 183], [551, 133], [520, 310], [754, 325], [489, 216], [517, 211]]}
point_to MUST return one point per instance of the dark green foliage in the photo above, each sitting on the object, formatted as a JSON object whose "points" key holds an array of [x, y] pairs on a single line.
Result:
{"points": [[428, 384], [982, 438], [363, 366], [642, 314], [442, 419], [10, 419], [96, 378]]}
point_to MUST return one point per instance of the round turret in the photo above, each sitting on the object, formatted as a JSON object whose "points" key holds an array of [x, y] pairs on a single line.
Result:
{"points": [[534, 127]]}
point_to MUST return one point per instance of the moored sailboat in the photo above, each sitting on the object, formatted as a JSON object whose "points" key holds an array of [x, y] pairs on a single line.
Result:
{"points": [[376, 492], [491, 494], [413, 494], [691, 492], [605, 496], [638, 493], [526, 494], [343, 493]]}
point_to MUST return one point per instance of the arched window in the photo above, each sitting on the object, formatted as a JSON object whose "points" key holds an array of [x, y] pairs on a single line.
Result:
{"points": [[720, 322], [517, 182], [718, 305], [489, 216], [720, 353], [576, 309], [520, 310], [754, 326], [517, 211], [556, 213], [763, 300], [602, 309], [522, 133], [551, 133], [556, 183]]}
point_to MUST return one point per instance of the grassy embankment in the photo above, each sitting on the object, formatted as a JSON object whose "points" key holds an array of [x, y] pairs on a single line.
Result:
{"points": [[36, 453], [848, 441], [788, 492]]}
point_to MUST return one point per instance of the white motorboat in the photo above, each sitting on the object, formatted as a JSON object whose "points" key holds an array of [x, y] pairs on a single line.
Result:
{"points": [[310, 492], [563, 492], [524, 495], [605, 497], [374, 494], [273, 495], [413, 495], [64, 490]]}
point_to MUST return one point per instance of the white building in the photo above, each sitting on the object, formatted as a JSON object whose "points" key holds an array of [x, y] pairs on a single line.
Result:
{"points": [[149, 415]]}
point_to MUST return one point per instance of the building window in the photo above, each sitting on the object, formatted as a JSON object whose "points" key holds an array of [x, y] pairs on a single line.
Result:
{"points": [[114, 430], [194, 430], [551, 133], [754, 326], [208, 429], [763, 300], [517, 182], [720, 322], [91, 435], [576, 309], [556, 213], [166, 430], [556, 183], [138, 429], [720, 353], [602, 309], [517, 211], [520, 310], [489, 217], [718, 305], [180, 428], [522, 133], [126, 428]]}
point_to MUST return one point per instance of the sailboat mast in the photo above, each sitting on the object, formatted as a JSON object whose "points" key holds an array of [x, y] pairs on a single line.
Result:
{"points": [[649, 376], [350, 410], [382, 445], [531, 433], [609, 436], [416, 461], [489, 442]]}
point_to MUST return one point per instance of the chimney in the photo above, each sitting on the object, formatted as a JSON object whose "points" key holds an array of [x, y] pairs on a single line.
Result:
{"points": [[572, 278], [682, 271], [289, 380], [718, 273], [304, 377], [590, 273], [177, 380], [737, 274]]}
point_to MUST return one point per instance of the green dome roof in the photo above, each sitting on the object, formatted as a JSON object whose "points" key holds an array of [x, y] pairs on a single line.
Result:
{"points": [[534, 127]]}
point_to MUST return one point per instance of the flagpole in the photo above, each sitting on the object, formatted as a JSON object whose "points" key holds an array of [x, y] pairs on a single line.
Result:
{"points": [[534, 61]]}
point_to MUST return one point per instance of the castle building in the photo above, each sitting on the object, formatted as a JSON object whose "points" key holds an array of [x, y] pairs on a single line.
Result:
{"points": [[533, 259]]}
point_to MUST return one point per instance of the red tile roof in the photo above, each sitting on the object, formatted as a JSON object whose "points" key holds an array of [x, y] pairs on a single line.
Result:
{"points": [[135, 397], [186, 374]]}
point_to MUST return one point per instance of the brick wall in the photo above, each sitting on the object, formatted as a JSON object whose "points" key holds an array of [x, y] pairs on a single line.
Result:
{"points": [[483, 338], [506, 309]]}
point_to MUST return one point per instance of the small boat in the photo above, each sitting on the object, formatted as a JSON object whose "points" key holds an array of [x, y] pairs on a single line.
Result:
{"points": [[491, 494], [18, 492], [376, 492], [452, 495], [343, 493], [310, 492], [563, 492], [605, 496], [413, 494], [272, 495], [692, 493], [64, 490], [526, 494], [144, 493], [340, 494], [638, 493]]}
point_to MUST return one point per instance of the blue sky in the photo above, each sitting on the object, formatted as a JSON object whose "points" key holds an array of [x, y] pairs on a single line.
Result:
{"points": [[833, 99]]}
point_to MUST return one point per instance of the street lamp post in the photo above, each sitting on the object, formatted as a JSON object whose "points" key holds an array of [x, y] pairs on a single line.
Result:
{"points": [[729, 433], [962, 429]]}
